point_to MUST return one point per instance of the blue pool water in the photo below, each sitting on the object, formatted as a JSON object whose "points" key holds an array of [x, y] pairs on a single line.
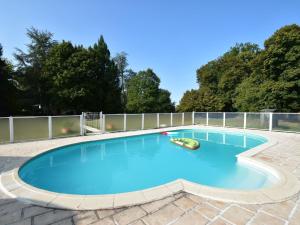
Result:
{"points": [[139, 162]]}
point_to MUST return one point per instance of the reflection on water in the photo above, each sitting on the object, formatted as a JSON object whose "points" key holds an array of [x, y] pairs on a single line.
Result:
{"points": [[139, 162], [238, 140]]}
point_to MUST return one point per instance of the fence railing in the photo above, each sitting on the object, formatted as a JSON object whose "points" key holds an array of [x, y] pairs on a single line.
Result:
{"points": [[18, 129], [250, 120], [247, 120], [128, 122]]}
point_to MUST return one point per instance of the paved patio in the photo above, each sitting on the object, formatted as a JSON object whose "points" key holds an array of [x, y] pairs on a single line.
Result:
{"points": [[181, 208]]}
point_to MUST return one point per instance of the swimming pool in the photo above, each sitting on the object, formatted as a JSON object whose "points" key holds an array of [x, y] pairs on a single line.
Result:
{"points": [[138, 162]]}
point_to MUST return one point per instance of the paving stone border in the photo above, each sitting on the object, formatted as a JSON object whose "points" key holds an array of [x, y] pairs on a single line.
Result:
{"points": [[175, 209]]}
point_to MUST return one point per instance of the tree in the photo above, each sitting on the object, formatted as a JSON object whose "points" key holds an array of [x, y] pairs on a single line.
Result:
{"points": [[218, 80], [68, 67], [274, 82], [164, 103], [7, 89], [247, 96], [144, 94], [107, 71], [247, 78], [121, 62], [30, 67], [221, 76], [189, 102], [203, 100], [83, 79]]}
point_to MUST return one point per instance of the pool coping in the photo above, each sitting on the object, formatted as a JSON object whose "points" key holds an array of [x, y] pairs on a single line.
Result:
{"points": [[287, 185]]}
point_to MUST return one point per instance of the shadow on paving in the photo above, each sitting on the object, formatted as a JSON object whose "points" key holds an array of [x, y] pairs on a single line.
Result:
{"points": [[8, 162], [15, 212]]}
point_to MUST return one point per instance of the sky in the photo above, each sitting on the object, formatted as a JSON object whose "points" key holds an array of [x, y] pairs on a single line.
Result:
{"points": [[172, 37]]}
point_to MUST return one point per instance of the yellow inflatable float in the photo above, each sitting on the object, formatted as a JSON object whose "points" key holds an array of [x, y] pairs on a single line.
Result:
{"points": [[186, 142]]}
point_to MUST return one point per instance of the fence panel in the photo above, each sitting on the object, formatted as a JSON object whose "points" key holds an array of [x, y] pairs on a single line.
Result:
{"points": [[258, 121], [200, 118], [36, 128], [114, 122], [134, 121], [215, 119], [234, 119], [4, 130], [164, 119], [30, 128], [286, 122], [65, 126], [150, 120], [188, 118], [177, 119]]}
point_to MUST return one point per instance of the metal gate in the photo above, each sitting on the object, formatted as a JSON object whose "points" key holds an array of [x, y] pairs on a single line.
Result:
{"points": [[93, 122]]}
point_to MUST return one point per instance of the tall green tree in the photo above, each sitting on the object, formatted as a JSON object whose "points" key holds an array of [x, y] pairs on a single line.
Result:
{"points": [[30, 68], [7, 88], [220, 77], [83, 79], [275, 81], [121, 62], [108, 72], [247, 78], [164, 103], [144, 94], [67, 68]]}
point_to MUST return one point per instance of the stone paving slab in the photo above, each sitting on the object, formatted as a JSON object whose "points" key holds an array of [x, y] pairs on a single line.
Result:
{"points": [[181, 208]]}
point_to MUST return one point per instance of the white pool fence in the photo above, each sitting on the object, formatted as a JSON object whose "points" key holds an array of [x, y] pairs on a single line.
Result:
{"points": [[19, 129]]}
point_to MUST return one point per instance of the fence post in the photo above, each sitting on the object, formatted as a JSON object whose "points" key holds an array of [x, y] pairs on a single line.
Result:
{"points": [[183, 119], [224, 119], [50, 127], [125, 117], [245, 120], [271, 121], [100, 119], [103, 123], [143, 121], [11, 129], [206, 118], [157, 118], [171, 120], [193, 118], [81, 124]]}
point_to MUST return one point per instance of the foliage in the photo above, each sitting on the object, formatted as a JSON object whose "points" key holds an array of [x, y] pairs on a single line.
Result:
{"points": [[7, 89], [30, 66], [66, 70], [164, 103], [54, 77], [275, 81], [59, 77], [83, 79], [121, 62], [108, 72], [144, 94], [189, 102], [247, 78]]}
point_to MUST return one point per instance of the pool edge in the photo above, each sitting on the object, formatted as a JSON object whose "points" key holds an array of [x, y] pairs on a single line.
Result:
{"points": [[288, 185]]}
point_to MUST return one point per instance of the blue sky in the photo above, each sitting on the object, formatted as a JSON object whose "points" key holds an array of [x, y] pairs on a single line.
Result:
{"points": [[174, 38]]}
